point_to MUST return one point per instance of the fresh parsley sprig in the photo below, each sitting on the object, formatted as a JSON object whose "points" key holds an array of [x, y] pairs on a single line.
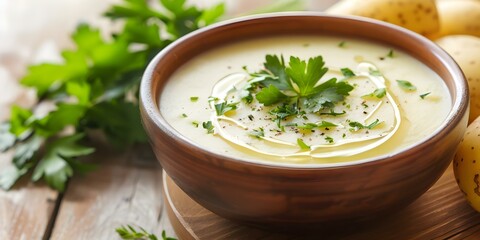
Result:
{"points": [[297, 88], [130, 233], [95, 87]]}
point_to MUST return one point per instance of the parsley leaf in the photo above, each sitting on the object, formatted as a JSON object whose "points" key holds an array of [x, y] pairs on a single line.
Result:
{"points": [[282, 112], [306, 74], [223, 107], [357, 126], [258, 133], [7, 139], [406, 85], [329, 93], [54, 166], [422, 96], [278, 78], [270, 95], [208, 126], [347, 72], [322, 124], [391, 54], [302, 144], [378, 93]]}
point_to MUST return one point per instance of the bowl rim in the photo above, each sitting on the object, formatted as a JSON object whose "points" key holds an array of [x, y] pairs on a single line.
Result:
{"points": [[150, 108]]}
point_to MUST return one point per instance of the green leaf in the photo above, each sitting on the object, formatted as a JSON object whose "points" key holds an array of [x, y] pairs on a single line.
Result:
{"points": [[347, 72], [279, 78], [281, 6], [406, 85], [306, 75], [302, 144], [208, 126], [391, 54], [65, 115], [25, 151], [54, 166], [80, 90], [375, 72], [257, 133], [357, 126], [120, 121], [10, 175], [20, 120], [211, 15], [270, 95], [134, 9], [283, 111], [7, 139], [378, 93], [223, 107], [329, 93], [422, 96], [129, 232], [322, 124]]}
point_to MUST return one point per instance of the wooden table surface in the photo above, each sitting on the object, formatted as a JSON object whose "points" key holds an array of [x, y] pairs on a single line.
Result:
{"points": [[127, 189]]}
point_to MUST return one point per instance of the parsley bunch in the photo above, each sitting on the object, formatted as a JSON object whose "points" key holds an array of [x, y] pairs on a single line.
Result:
{"points": [[94, 88], [296, 89]]}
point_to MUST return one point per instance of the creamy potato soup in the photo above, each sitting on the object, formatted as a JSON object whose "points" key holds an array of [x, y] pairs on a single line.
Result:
{"points": [[305, 100]]}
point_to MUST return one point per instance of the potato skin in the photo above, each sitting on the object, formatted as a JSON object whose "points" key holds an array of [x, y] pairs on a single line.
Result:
{"points": [[417, 15], [458, 17], [466, 165], [465, 50]]}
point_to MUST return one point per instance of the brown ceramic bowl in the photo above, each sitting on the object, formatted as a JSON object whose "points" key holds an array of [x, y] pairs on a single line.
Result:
{"points": [[270, 195]]}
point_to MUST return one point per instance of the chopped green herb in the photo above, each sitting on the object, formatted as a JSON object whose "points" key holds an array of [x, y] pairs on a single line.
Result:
{"points": [[193, 99], [282, 112], [209, 126], [333, 113], [258, 133], [212, 99], [196, 124], [223, 107], [184, 115], [357, 126], [347, 72], [302, 144], [378, 93], [329, 139], [342, 44], [390, 54], [374, 72], [248, 98], [424, 95], [323, 124], [406, 85]]}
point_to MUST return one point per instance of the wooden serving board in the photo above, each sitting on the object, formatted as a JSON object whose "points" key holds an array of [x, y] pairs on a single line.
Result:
{"points": [[441, 213]]}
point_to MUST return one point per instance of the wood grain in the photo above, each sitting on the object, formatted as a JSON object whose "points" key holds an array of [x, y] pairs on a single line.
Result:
{"points": [[25, 210], [441, 213], [126, 189]]}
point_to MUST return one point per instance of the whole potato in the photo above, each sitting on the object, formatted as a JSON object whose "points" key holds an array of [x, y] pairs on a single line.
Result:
{"points": [[458, 17], [417, 15], [466, 52], [466, 165]]}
